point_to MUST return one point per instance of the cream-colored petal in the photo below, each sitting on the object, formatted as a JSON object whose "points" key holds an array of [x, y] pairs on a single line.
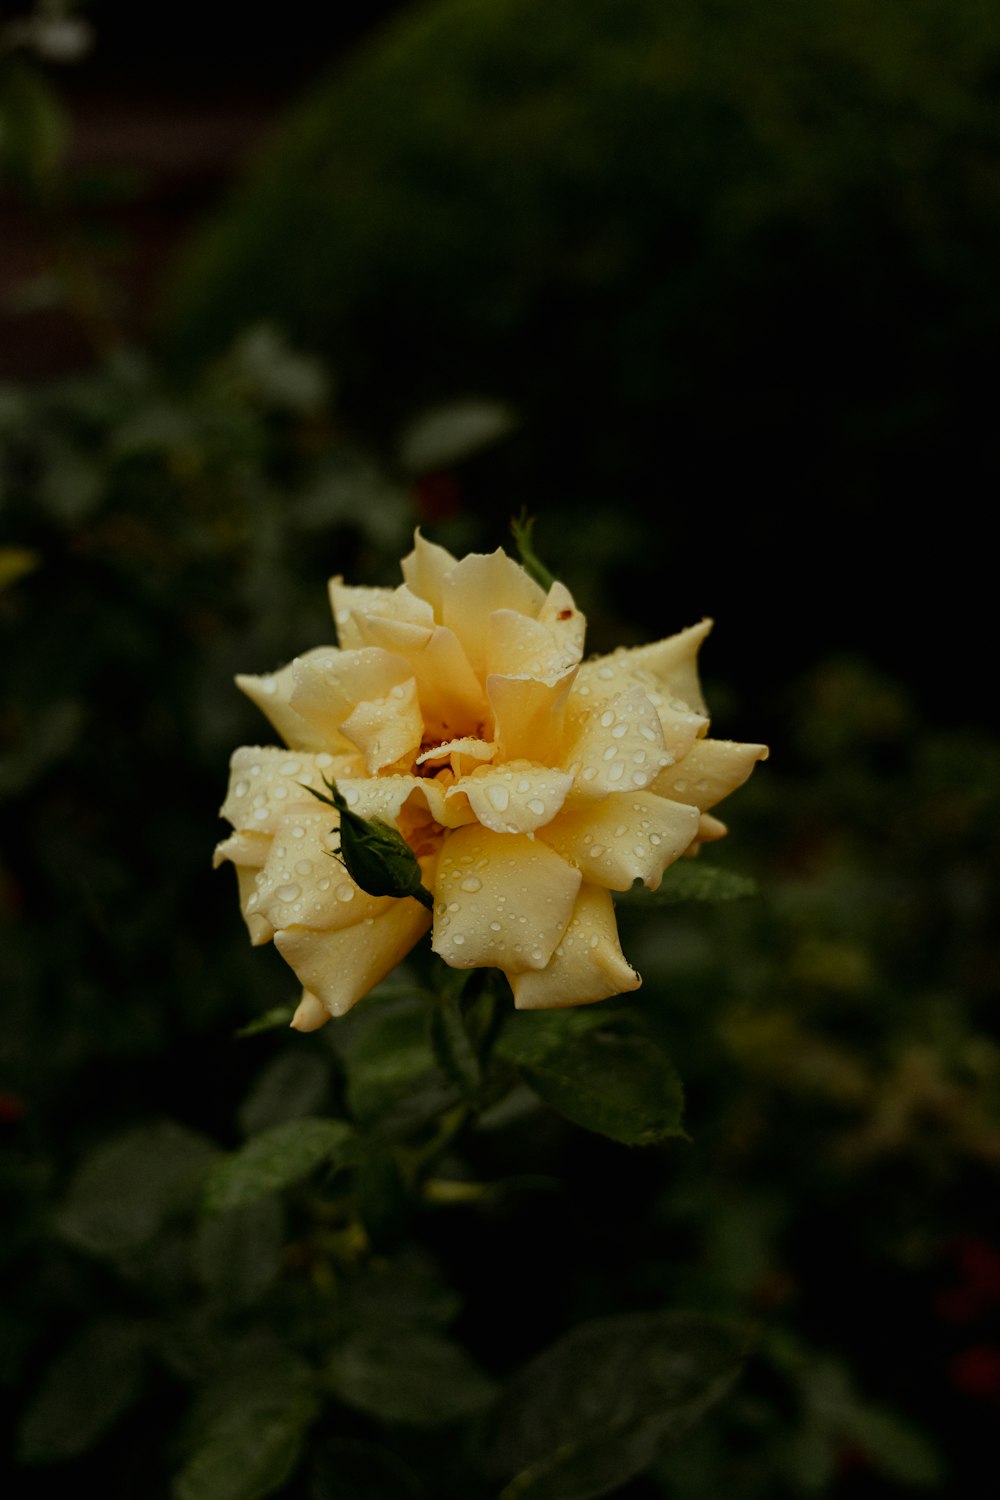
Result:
{"points": [[310, 1013], [669, 666], [303, 884], [501, 900], [516, 797], [351, 603], [623, 838], [388, 730], [266, 783], [243, 848], [617, 746], [451, 698], [710, 829], [474, 588], [517, 646], [425, 569], [709, 771], [463, 755], [328, 686], [587, 965], [385, 797], [560, 612], [529, 716], [341, 967], [272, 694]]}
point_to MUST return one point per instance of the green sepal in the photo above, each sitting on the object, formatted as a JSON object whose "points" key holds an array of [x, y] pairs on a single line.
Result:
{"points": [[522, 529], [376, 856]]}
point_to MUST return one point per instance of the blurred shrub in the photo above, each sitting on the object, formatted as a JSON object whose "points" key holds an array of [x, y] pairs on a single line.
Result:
{"points": [[734, 264]]}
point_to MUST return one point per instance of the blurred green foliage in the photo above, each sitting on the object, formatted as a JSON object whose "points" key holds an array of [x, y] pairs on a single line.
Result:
{"points": [[409, 1255], [734, 265]]}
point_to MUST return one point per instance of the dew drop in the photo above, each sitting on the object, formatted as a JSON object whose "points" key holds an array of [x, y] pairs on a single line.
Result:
{"points": [[289, 892], [646, 732], [607, 718], [495, 927], [304, 867], [680, 786], [536, 806], [458, 940], [639, 778], [323, 760], [324, 885], [351, 796], [499, 797], [616, 772], [280, 793], [605, 673], [260, 813], [470, 884], [620, 831], [240, 789], [619, 732], [610, 752], [596, 850], [589, 772], [344, 893]]}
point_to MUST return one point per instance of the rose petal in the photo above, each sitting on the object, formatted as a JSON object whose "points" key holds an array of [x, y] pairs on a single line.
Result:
{"points": [[500, 900], [616, 746], [272, 694], [266, 783], [451, 698], [709, 771], [529, 715], [351, 604], [517, 646], [425, 569], [587, 965], [310, 1013], [340, 967], [560, 612], [328, 686], [624, 838], [670, 666], [385, 797], [387, 730], [302, 884], [461, 755], [474, 588], [516, 797]]}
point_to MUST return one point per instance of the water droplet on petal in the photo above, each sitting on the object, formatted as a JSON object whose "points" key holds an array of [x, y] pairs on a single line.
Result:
{"points": [[499, 797], [470, 884], [289, 892]]}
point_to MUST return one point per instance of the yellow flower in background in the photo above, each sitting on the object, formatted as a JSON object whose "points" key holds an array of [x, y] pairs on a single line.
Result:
{"points": [[528, 783]]}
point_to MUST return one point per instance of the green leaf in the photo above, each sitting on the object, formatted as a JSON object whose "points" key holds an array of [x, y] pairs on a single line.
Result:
{"points": [[393, 1081], [246, 1428], [238, 1254], [277, 1158], [278, 1015], [691, 880], [249, 1451], [611, 1080], [596, 1408], [453, 1049], [895, 1448], [92, 1383], [129, 1189], [293, 1084], [412, 1376]]}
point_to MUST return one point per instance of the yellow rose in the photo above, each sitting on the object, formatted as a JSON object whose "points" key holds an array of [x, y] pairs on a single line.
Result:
{"points": [[528, 783]]}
